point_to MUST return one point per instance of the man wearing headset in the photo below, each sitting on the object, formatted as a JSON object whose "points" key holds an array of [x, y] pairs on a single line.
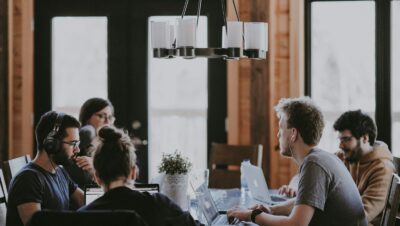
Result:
{"points": [[42, 183], [326, 193]]}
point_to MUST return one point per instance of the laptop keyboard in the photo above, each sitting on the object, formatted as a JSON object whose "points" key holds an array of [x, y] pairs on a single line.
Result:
{"points": [[278, 198], [226, 199], [221, 220]]}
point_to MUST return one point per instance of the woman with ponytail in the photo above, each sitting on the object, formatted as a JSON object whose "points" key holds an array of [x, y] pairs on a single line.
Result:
{"points": [[114, 161]]}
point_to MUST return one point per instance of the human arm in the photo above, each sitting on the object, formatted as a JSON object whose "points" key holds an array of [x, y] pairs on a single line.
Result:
{"points": [[85, 163], [300, 216], [374, 195], [78, 197], [26, 210]]}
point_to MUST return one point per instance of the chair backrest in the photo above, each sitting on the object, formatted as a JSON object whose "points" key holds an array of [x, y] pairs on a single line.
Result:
{"points": [[396, 163], [12, 166], [225, 163], [86, 218], [392, 202], [3, 189], [3, 199]]}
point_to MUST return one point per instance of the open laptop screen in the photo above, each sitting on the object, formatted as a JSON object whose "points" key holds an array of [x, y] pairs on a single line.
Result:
{"points": [[92, 192]]}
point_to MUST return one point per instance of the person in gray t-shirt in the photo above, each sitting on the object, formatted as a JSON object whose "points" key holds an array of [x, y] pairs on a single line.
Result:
{"points": [[327, 195]]}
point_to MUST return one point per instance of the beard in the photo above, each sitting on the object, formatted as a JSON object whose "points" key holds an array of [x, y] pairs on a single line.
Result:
{"points": [[61, 158], [354, 155], [286, 151]]}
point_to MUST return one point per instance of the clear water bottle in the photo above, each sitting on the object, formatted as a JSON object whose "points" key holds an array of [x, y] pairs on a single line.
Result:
{"points": [[243, 180]]}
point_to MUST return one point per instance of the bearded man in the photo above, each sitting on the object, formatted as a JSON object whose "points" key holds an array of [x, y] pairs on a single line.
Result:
{"points": [[369, 162], [43, 183]]}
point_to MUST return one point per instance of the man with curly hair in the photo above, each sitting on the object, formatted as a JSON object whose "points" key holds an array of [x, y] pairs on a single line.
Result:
{"points": [[369, 161]]}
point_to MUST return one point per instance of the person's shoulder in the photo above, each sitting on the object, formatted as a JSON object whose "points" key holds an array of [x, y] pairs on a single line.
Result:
{"points": [[28, 171]]}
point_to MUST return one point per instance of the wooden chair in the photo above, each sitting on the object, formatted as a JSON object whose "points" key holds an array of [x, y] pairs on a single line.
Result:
{"points": [[225, 163], [86, 218], [12, 166], [3, 199], [392, 203], [3, 189]]}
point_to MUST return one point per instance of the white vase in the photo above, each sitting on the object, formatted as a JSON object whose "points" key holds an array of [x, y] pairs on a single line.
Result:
{"points": [[175, 187]]}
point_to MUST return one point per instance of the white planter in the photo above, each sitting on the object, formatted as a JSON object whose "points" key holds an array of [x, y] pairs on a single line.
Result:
{"points": [[175, 187]]}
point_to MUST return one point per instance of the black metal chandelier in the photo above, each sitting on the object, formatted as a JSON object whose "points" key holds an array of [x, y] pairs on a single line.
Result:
{"points": [[248, 40]]}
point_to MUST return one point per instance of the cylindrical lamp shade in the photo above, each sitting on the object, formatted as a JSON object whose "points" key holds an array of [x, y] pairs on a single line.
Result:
{"points": [[256, 35], [186, 32], [224, 38], [160, 35], [235, 34], [172, 35]]}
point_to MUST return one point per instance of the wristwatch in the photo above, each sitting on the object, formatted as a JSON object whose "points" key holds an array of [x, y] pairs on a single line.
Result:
{"points": [[254, 213]]}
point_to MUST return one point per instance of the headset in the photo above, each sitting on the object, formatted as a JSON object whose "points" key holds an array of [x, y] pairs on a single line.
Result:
{"points": [[52, 142]]}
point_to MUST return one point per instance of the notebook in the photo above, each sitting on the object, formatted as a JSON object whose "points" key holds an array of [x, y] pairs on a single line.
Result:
{"points": [[258, 186]]}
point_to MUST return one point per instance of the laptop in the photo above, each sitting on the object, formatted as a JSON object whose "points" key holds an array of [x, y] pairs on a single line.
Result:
{"points": [[209, 209], [258, 186], [92, 192]]}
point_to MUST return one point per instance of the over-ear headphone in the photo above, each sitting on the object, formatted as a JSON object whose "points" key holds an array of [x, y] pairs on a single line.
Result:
{"points": [[52, 143]]}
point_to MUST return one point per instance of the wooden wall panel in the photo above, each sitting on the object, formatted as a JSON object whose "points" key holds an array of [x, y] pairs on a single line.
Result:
{"points": [[255, 87], [20, 78]]}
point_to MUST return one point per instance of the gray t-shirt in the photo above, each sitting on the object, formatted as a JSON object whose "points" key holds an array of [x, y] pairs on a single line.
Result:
{"points": [[326, 185]]}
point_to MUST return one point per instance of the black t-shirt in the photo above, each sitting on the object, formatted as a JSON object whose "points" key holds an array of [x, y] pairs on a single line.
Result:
{"points": [[155, 209], [35, 184]]}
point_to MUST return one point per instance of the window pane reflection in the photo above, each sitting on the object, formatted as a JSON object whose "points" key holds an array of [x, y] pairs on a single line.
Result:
{"points": [[79, 61], [343, 61], [178, 104]]}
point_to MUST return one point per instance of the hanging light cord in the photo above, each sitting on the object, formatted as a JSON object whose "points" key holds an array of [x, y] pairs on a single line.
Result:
{"points": [[184, 8], [237, 15], [223, 3], [198, 12]]}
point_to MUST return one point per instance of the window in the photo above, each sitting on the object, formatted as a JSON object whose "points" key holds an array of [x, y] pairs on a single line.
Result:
{"points": [[79, 61], [178, 102], [342, 61], [395, 75]]}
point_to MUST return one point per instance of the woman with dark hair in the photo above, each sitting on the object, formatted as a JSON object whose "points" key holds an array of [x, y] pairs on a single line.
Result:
{"points": [[116, 177], [95, 113]]}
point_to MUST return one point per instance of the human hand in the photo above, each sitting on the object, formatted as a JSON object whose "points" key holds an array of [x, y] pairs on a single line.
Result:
{"points": [[85, 163], [287, 191], [265, 209], [239, 213]]}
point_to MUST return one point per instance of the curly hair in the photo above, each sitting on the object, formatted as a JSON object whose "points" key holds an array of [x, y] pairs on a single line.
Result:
{"points": [[303, 115], [358, 123]]}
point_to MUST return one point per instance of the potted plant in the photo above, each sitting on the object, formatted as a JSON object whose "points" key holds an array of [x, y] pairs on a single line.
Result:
{"points": [[175, 184]]}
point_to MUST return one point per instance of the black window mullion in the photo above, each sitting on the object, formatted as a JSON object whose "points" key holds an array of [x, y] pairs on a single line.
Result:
{"points": [[383, 94]]}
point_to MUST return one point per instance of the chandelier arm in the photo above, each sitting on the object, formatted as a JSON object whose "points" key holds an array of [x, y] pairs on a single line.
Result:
{"points": [[223, 4], [184, 8], [198, 12], [236, 12]]}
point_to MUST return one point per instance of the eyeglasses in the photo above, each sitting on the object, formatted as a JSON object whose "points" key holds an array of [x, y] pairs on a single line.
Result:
{"points": [[74, 143], [345, 139], [104, 116]]}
